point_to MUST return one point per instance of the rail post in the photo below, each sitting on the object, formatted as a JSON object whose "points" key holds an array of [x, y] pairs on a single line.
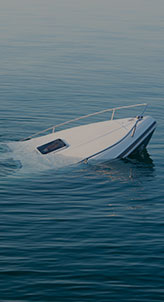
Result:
{"points": [[113, 112]]}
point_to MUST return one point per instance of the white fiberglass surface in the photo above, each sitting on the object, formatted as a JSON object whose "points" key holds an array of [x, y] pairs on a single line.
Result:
{"points": [[83, 141]]}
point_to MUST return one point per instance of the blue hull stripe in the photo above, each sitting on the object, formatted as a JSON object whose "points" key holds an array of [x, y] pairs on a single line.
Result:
{"points": [[127, 150]]}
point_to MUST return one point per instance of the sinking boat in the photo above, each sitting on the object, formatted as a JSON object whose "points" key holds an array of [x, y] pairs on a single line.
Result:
{"points": [[101, 141]]}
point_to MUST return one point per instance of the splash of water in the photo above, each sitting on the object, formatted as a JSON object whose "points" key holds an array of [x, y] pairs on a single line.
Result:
{"points": [[18, 156]]}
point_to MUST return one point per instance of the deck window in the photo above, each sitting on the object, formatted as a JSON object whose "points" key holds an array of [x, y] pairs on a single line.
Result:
{"points": [[52, 146]]}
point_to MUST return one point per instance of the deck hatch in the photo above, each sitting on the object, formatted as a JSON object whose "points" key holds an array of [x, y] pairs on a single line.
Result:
{"points": [[52, 146]]}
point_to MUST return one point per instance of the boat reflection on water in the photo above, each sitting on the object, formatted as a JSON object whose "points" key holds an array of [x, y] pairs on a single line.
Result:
{"points": [[134, 168], [142, 158]]}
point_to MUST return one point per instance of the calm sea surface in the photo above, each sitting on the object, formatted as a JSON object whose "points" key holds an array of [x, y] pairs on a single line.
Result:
{"points": [[81, 232]]}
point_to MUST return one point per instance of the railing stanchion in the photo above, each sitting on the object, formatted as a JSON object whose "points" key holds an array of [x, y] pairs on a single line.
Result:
{"points": [[113, 112]]}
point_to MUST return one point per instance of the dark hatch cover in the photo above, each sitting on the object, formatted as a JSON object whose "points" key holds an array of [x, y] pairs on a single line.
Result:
{"points": [[52, 146]]}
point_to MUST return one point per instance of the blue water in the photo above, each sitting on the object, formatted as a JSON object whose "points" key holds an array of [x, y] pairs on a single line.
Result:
{"points": [[82, 232]]}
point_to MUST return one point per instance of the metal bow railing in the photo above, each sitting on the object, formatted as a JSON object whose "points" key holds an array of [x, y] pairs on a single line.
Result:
{"points": [[113, 110]]}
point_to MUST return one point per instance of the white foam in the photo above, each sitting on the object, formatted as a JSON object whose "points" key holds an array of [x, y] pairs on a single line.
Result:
{"points": [[31, 160]]}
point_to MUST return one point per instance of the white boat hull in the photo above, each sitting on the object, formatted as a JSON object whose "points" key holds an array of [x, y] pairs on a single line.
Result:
{"points": [[130, 143], [101, 141]]}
